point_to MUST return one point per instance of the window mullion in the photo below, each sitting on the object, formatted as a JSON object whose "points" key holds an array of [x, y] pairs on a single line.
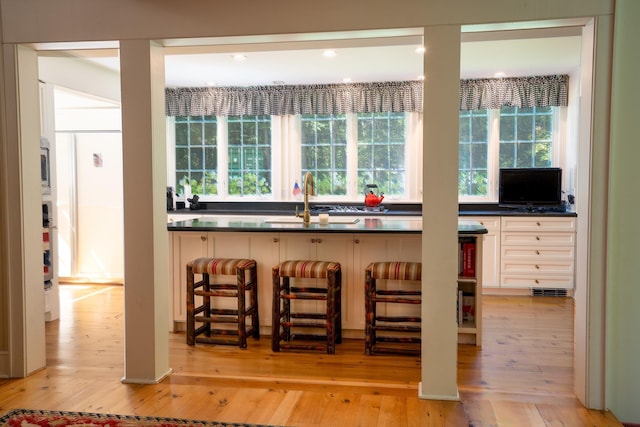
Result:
{"points": [[223, 157], [352, 156], [493, 162]]}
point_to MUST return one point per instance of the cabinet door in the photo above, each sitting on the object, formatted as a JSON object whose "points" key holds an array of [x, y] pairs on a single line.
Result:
{"points": [[490, 250], [186, 247]]}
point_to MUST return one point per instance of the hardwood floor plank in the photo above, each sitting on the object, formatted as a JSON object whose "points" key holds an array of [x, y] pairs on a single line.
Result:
{"points": [[522, 374]]}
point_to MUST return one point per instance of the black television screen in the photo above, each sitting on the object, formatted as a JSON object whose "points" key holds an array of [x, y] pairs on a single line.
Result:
{"points": [[530, 187]]}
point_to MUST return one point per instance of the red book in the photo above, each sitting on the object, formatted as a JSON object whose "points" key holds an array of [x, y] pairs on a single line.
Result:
{"points": [[469, 259]]}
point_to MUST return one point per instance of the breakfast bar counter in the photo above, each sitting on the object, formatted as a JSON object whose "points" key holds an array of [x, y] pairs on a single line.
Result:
{"points": [[291, 224]]}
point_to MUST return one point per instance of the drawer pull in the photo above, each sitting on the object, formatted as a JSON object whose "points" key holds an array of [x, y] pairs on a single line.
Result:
{"points": [[356, 241], [318, 240], [203, 238], [538, 224], [276, 240], [537, 237], [537, 281], [537, 267], [537, 252]]}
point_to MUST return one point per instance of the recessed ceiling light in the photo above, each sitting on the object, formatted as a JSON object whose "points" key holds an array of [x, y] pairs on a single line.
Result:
{"points": [[347, 80], [329, 53], [210, 84], [240, 57], [278, 82], [421, 49], [499, 75], [421, 77]]}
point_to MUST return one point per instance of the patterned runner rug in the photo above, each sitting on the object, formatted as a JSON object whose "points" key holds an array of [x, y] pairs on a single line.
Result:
{"points": [[34, 418]]}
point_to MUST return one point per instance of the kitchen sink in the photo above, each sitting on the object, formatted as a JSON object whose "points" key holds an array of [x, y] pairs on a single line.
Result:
{"points": [[314, 220]]}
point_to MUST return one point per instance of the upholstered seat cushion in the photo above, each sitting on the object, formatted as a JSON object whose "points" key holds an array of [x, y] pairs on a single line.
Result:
{"points": [[219, 265], [396, 270], [307, 269]]}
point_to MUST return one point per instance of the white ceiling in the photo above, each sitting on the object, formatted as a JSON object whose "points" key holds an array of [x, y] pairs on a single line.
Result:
{"points": [[361, 57]]}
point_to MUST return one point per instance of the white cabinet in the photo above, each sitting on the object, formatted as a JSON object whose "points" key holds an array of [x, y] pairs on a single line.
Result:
{"points": [[185, 246], [326, 247], [537, 252], [490, 250]]}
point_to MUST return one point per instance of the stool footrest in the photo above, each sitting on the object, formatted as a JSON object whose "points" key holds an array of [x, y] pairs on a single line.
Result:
{"points": [[304, 297], [397, 300], [308, 315], [397, 292], [390, 328], [303, 325], [308, 290], [224, 294], [398, 319], [216, 319]]}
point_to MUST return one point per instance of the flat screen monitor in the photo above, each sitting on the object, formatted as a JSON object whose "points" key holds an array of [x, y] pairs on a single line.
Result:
{"points": [[530, 188]]}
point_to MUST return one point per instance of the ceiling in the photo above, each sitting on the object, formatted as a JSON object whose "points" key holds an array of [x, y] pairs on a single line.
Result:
{"points": [[360, 58]]}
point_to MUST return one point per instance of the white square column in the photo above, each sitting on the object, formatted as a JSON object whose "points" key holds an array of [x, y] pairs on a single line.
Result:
{"points": [[440, 213], [146, 275]]}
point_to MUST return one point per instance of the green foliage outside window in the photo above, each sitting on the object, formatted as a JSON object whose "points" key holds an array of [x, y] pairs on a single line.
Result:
{"points": [[196, 154], [324, 151], [249, 139], [381, 148], [525, 141], [525, 137], [473, 153]]}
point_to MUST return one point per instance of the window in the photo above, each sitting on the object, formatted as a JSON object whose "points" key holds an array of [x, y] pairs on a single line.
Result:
{"points": [[525, 137], [324, 151], [506, 138], [236, 157], [473, 168], [381, 148], [196, 150], [249, 143]]}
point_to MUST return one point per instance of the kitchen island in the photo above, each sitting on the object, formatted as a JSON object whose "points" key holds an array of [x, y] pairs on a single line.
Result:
{"points": [[354, 242]]}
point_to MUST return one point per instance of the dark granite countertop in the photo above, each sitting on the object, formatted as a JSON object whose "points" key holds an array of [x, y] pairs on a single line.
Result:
{"points": [[291, 224], [389, 209]]}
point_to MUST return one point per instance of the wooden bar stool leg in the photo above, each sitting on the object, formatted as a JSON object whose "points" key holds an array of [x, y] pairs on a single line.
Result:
{"points": [[191, 336], [370, 313], [331, 312], [276, 310], [255, 321], [242, 320], [206, 302]]}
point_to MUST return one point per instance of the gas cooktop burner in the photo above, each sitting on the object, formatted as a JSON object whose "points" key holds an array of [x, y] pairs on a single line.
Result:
{"points": [[347, 209]]}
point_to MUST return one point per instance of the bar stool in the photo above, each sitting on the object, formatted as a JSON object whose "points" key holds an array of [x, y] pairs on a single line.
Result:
{"points": [[288, 324], [211, 312], [393, 327]]}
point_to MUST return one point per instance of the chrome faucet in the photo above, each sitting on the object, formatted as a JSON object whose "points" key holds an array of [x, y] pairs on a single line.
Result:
{"points": [[308, 182]]}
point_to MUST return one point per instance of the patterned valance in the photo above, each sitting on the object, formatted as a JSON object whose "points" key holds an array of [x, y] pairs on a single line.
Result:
{"points": [[302, 99], [522, 92], [475, 94]]}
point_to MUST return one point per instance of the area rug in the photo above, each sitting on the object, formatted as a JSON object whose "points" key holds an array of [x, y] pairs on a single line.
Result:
{"points": [[34, 418]]}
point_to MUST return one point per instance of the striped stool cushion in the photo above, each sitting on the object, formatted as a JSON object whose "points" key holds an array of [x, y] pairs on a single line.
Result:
{"points": [[307, 269], [219, 265], [396, 270]]}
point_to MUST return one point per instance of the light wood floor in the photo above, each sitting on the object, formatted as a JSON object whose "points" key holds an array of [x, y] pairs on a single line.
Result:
{"points": [[522, 376]]}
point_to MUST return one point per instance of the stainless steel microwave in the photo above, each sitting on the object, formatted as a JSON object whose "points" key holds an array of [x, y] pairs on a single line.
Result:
{"points": [[45, 165]]}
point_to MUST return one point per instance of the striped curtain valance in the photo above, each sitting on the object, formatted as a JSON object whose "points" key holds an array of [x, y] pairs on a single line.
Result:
{"points": [[302, 99], [521, 92]]}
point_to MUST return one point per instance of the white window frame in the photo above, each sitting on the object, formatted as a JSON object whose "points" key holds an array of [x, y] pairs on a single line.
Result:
{"points": [[286, 161], [558, 153]]}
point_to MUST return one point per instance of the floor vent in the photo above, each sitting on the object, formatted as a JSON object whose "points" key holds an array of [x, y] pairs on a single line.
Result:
{"points": [[548, 292]]}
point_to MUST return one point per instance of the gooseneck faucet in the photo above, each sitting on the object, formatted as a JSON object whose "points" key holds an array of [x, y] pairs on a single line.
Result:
{"points": [[309, 187]]}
